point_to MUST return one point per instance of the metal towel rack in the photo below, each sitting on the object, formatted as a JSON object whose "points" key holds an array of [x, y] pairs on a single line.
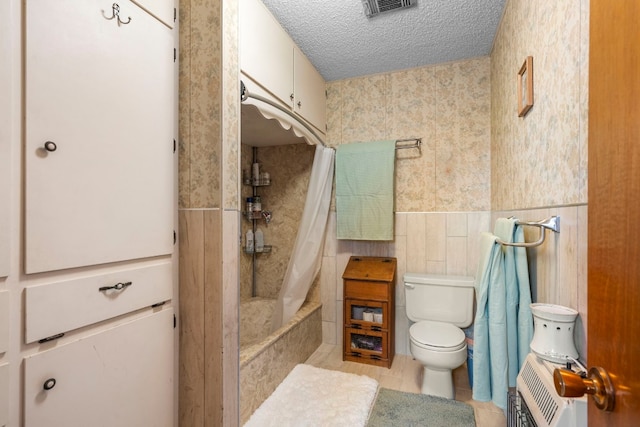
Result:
{"points": [[417, 143], [552, 224]]}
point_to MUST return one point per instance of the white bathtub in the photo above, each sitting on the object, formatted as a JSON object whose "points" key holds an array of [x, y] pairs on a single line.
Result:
{"points": [[266, 359]]}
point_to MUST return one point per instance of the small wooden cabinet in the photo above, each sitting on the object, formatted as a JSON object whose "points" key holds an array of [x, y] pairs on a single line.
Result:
{"points": [[369, 310]]}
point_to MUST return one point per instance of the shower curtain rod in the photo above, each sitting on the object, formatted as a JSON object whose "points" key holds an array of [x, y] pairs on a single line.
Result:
{"points": [[244, 94]]}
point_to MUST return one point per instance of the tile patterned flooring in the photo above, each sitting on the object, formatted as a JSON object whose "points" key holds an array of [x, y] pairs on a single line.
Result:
{"points": [[405, 375]]}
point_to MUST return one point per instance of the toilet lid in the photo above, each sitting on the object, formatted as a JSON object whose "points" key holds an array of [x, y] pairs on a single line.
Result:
{"points": [[437, 334]]}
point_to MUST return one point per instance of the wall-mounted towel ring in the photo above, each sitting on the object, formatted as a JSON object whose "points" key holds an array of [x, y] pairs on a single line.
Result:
{"points": [[552, 224], [115, 13]]}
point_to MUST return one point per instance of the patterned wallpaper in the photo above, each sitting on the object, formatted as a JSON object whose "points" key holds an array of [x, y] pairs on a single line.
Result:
{"points": [[446, 105], [541, 159]]}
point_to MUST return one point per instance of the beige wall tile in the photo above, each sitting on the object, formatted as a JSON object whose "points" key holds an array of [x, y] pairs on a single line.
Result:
{"points": [[213, 314], [416, 243], [448, 106], [191, 389], [456, 256], [457, 225], [229, 306], [328, 289], [436, 236], [463, 136], [363, 109]]}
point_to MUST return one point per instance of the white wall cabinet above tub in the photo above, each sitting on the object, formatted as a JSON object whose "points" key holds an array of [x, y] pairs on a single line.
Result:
{"points": [[89, 382], [99, 104], [270, 57]]}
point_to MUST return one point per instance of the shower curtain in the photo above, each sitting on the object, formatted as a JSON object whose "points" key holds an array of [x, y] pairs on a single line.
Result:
{"points": [[305, 260]]}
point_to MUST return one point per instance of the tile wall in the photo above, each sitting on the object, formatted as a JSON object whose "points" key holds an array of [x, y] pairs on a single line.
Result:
{"points": [[539, 162], [448, 106], [290, 168], [439, 243], [209, 217]]}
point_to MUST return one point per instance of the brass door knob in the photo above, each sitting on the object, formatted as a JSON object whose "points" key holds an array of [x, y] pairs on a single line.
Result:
{"points": [[598, 384]]}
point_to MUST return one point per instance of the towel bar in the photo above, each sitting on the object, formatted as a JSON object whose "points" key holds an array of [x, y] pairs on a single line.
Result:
{"points": [[417, 143], [552, 223]]}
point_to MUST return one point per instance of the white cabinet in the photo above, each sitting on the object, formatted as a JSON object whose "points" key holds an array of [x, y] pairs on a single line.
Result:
{"points": [[99, 115], [310, 93], [120, 377], [266, 50], [4, 394], [5, 313], [6, 119], [59, 307], [270, 57]]}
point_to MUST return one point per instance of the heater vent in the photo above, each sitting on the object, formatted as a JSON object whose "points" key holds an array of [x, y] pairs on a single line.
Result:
{"points": [[376, 7], [542, 405]]}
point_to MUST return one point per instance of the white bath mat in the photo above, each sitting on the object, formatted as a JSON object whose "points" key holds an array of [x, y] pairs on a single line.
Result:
{"points": [[311, 396]]}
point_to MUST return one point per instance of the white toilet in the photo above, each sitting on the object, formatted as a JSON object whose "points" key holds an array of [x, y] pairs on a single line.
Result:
{"points": [[440, 306]]}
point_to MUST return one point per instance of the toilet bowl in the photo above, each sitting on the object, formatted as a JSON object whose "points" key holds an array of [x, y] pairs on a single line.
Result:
{"points": [[440, 348], [440, 306]]}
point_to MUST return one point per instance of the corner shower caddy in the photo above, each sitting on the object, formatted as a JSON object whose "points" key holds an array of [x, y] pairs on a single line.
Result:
{"points": [[254, 216]]}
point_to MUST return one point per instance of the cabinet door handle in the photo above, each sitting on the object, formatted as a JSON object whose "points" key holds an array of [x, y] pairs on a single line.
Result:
{"points": [[49, 384], [291, 97], [117, 287], [50, 146], [299, 104]]}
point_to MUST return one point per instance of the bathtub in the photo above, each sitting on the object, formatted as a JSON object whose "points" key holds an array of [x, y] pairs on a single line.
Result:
{"points": [[266, 359]]}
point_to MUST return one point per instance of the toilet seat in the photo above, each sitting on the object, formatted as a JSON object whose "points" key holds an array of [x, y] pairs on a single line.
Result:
{"points": [[437, 336]]}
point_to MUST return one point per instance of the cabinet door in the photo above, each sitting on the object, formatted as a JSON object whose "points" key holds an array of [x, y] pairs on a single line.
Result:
{"points": [[310, 93], [102, 92], [266, 51], [7, 121], [120, 377], [4, 394]]}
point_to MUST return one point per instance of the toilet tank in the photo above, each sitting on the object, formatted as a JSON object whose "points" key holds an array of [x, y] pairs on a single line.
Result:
{"points": [[439, 298]]}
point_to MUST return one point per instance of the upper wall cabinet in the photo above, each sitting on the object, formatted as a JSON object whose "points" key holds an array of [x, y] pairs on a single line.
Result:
{"points": [[309, 89], [99, 104], [271, 58]]}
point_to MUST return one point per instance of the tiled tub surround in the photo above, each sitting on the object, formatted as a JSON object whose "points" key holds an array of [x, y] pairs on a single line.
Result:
{"points": [[265, 362]]}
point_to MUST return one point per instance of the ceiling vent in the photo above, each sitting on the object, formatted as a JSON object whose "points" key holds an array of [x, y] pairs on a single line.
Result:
{"points": [[376, 7]]}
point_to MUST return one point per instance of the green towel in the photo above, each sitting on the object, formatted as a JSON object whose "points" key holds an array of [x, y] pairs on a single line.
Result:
{"points": [[364, 190]]}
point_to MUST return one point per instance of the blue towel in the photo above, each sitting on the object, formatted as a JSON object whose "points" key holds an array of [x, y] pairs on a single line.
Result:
{"points": [[503, 324], [490, 359], [518, 299], [364, 190]]}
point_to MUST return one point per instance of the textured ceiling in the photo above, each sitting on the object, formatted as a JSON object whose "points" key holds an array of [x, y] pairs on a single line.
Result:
{"points": [[342, 42]]}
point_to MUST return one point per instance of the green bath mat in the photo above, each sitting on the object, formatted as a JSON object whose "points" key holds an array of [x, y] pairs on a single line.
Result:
{"points": [[395, 408]]}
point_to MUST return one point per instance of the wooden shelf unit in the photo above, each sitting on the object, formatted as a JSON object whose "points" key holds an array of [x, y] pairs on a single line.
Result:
{"points": [[369, 310]]}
